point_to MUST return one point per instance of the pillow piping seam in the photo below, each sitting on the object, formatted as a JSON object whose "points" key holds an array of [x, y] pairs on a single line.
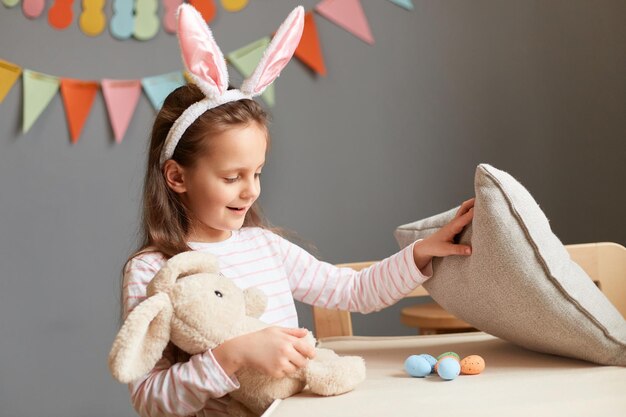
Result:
{"points": [[545, 266]]}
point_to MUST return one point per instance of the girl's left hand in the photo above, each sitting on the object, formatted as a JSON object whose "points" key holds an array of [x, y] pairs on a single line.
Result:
{"points": [[441, 243]]}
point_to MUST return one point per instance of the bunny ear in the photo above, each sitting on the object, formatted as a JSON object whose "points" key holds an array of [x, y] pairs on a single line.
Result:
{"points": [[140, 342], [201, 55], [182, 264], [277, 54]]}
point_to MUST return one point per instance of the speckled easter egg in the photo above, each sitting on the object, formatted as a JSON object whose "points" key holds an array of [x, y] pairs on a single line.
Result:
{"points": [[472, 365], [442, 357], [417, 366], [458, 358], [431, 360], [448, 367]]}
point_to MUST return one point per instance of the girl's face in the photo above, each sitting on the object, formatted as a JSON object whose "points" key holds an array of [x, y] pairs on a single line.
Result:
{"points": [[222, 186]]}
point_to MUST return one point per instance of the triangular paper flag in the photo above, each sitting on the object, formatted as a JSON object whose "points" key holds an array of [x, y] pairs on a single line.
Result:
{"points": [[309, 51], [158, 87], [121, 97], [78, 98], [246, 58], [38, 91], [407, 4], [349, 15], [9, 73]]}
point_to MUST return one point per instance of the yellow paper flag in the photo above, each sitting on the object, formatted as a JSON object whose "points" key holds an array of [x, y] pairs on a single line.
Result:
{"points": [[9, 73]]}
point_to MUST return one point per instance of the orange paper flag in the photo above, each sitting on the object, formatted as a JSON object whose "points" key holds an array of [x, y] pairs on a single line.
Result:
{"points": [[78, 98], [309, 50]]}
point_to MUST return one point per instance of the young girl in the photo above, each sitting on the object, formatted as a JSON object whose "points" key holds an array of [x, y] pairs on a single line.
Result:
{"points": [[200, 192]]}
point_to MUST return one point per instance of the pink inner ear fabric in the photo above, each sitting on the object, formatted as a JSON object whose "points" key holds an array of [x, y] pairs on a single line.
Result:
{"points": [[200, 52], [279, 54]]}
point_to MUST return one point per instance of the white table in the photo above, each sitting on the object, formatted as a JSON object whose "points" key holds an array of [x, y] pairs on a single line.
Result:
{"points": [[516, 382]]}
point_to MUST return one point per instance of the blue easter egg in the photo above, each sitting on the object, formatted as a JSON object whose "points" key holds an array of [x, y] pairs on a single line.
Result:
{"points": [[448, 368], [431, 360], [417, 366]]}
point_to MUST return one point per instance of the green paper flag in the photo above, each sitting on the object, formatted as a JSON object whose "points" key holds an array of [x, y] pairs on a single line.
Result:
{"points": [[246, 58], [38, 91]]}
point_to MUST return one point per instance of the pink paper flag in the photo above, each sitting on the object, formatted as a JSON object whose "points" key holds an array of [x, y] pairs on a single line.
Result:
{"points": [[349, 15], [121, 97]]}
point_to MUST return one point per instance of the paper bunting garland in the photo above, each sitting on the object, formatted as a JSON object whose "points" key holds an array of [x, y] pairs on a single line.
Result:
{"points": [[147, 22], [234, 5], [122, 23], [309, 50], [92, 20], [60, 15], [246, 58], [206, 8], [38, 91], [349, 15], [158, 87], [33, 8], [169, 14], [78, 98], [122, 96], [9, 73]]}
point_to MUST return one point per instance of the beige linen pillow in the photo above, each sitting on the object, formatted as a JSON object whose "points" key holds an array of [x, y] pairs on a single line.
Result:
{"points": [[519, 283]]}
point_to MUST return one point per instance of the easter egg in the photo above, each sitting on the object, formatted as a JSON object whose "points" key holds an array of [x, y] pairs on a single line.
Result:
{"points": [[417, 366], [448, 368], [449, 354], [444, 357], [431, 360], [472, 365]]}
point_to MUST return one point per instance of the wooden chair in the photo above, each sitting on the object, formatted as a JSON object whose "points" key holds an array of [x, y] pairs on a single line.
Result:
{"points": [[604, 262]]}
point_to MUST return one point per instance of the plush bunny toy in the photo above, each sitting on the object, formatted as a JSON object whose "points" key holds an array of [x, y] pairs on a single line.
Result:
{"points": [[196, 307]]}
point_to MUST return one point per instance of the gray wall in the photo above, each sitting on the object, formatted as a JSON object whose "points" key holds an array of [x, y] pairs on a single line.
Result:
{"points": [[392, 134]]}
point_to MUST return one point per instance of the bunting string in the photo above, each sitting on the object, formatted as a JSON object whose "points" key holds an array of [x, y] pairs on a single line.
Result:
{"points": [[121, 97]]}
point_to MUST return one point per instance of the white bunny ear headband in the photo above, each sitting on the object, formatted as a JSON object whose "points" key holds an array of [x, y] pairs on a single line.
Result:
{"points": [[207, 68]]}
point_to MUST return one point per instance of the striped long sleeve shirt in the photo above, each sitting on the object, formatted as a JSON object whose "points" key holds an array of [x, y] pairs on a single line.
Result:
{"points": [[257, 257]]}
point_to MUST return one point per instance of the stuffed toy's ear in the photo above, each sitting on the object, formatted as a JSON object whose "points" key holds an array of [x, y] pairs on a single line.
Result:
{"points": [[278, 53], [256, 301], [182, 265], [140, 342]]}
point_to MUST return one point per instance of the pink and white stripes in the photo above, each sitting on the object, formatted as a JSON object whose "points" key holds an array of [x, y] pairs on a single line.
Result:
{"points": [[256, 257]]}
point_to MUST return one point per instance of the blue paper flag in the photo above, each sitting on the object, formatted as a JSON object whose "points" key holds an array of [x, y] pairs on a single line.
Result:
{"points": [[158, 87]]}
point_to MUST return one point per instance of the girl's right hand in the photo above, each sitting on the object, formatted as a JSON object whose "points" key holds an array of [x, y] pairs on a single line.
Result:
{"points": [[275, 351]]}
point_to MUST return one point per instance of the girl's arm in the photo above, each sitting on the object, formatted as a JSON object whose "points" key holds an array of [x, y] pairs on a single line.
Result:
{"points": [[381, 284], [178, 389], [325, 285]]}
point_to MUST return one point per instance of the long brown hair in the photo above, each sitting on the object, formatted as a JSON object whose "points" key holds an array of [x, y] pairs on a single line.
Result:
{"points": [[165, 219]]}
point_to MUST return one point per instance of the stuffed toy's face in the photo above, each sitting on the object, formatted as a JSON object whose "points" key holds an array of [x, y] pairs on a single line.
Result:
{"points": [[207, 307]]}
